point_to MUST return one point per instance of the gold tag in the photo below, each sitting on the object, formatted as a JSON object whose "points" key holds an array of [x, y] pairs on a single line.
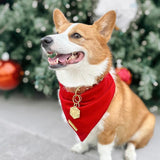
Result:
{"points": [[75, 112], [73, 126]]}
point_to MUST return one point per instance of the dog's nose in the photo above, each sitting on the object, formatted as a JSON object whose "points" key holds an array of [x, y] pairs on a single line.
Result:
{"points": [[46, 41]]}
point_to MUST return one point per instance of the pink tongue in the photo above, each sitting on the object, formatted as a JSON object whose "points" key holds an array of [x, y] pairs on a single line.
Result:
{"points": [[63, 58], [60, 58]]}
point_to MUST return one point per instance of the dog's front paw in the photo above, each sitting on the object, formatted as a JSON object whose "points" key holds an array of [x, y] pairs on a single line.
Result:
{"points": [[80, 148], [130, 153], [104, 157]]}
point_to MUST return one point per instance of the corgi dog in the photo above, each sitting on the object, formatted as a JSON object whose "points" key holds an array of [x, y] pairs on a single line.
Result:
{"points": [[100, 108]]}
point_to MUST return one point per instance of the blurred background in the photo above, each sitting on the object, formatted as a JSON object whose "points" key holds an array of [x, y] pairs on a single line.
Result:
{"points": [[135, 43]]}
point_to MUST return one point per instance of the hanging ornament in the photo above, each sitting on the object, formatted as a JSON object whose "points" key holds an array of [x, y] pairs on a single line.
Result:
{"points": [[124, 74], [126, 11], [10, 74]]}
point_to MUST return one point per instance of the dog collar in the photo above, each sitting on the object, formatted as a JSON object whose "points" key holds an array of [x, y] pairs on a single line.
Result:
{"points": [[83, 88], [84, 111]]}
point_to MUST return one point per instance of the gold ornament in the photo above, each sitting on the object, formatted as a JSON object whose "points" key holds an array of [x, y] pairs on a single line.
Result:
{"points": [[74, 111]]}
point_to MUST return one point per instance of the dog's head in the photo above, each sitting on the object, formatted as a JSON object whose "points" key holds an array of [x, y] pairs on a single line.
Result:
{"points": [[78, 44]]}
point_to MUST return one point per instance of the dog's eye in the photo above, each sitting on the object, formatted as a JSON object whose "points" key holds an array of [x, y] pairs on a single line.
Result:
{"points": [[76, 35]]}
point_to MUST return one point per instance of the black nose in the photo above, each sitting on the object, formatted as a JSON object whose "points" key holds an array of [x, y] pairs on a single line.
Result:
{"points": [[46, 41]]}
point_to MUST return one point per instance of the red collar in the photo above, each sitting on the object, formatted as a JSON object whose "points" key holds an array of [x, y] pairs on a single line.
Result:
{"points": [[93, 105]]}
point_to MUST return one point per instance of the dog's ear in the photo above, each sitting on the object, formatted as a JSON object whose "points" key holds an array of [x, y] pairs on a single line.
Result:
{"points": [[106, 24], [59, 18]]}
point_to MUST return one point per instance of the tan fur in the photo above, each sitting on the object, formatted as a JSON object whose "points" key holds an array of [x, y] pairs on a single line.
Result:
{"points": [[128, 114], [129, 120], [97, 52]]}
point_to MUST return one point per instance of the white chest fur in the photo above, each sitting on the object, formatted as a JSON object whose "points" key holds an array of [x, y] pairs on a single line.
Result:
{"points": [[81, 74]]}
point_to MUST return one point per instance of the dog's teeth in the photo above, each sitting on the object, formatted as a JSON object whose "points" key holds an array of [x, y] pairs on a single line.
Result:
{"points": [[57, 60], [74, 53], [51, 63], [72, 57]]}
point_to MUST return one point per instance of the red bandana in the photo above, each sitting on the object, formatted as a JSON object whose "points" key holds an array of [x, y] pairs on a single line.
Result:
{"points": [[94, 104]]}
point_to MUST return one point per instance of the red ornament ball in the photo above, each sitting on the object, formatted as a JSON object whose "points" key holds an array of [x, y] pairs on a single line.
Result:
{"points": [[10, 75], [124, 74]]}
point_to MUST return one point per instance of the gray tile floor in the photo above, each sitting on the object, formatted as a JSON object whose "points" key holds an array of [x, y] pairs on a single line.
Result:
{"points": [[33, 129]]}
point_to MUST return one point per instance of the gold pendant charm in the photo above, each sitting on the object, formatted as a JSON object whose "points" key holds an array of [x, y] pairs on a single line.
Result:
{"points": [[75, 112]]}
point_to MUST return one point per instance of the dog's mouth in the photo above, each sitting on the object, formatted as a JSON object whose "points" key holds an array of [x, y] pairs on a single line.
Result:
{"points": [[57, 60]]}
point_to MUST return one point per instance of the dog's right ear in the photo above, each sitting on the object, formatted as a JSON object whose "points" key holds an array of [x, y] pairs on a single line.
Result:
{"points": [[106, 24], [59, 18]]}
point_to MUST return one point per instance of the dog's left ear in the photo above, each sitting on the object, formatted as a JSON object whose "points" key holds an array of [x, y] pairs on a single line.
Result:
{"points": [[59, 18], [106, 24]]}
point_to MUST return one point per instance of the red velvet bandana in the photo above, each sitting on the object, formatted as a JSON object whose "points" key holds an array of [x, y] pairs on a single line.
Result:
{"points": [[93, 105]]}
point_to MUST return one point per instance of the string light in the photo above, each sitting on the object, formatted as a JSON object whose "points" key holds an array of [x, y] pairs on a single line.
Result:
{"points": [[5, 56], [28, 57], [142, 31], [144, 43], [155, 84], [154, 109], [46, 6], [29, 44], [139, 59], [27, 73], [75, 18], [34, 4], [89, 14], [80, 13], [18, 30], [147, 12], [134, 25], [36, 86], [68, 13], [141, 83], [43, 28], [67, 6], [25, 80]]}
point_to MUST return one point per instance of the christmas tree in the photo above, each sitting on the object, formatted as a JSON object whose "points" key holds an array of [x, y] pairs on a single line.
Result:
{"points": [[24, 23]]}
